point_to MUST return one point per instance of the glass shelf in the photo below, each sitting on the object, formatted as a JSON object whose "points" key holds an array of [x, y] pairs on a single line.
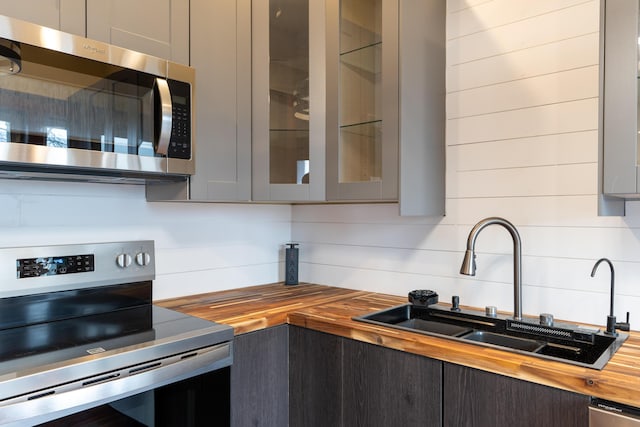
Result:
{"points": [[355, 125], [366, 59], [361, 48]]}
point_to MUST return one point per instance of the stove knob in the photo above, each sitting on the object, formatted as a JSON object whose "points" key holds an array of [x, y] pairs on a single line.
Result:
{"points": [[123, 260], [143, 259]]}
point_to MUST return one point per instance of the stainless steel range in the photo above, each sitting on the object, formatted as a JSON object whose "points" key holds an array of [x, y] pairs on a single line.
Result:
{"points": [[80, 337]]}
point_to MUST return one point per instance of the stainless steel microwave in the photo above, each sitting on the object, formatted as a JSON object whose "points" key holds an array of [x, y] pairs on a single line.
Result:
{"points": [[74, 107]]}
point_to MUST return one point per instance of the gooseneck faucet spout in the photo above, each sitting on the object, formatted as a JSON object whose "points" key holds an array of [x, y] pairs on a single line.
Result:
{"points": [[611, 319], [469, 262], [612, 325]]}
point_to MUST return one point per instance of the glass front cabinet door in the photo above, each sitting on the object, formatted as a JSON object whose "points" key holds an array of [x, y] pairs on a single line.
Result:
{"points": [[362, 85], [325, 100], [288, 106]]}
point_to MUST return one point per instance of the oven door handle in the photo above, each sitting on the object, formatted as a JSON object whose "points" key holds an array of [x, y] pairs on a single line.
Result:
{"points": [[163, 116], [56, 402]]}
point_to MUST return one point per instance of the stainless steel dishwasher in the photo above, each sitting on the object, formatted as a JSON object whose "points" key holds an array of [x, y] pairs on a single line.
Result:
{"points": [[603, 413]]}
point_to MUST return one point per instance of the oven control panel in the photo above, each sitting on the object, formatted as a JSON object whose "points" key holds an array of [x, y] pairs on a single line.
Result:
{"points": [[55, 265], [37, 269]]}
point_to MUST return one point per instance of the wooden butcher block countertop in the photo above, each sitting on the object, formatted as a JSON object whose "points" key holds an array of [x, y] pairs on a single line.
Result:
{"points": [[329, 309], [256, 307]]}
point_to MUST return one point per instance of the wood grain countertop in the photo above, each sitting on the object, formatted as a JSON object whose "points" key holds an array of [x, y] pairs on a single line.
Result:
{"points": [[329, 309], [256, 307]]}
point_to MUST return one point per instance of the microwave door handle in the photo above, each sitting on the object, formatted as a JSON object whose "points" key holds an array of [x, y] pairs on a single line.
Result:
{"points": [[163, 116]]}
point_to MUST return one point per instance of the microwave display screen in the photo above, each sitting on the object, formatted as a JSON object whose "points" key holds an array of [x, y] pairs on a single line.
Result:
{"points": [[179, 100]]}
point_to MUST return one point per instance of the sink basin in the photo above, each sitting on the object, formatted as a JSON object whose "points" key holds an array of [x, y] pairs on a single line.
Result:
{"points": [[569, 343], [402, 318], [503, 341], [435, 327]]}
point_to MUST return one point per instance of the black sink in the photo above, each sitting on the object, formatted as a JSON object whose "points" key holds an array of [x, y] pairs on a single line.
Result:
{"points": [[569, 343]]}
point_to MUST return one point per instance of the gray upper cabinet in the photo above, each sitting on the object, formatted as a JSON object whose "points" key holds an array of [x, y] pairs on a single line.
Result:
{"points": [[221, 55], [386, 103], [63, 15], [620, 153], [349, 102], [154, 27]]}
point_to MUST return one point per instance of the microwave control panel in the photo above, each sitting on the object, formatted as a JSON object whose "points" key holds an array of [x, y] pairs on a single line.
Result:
{"points": [[180, 143]]}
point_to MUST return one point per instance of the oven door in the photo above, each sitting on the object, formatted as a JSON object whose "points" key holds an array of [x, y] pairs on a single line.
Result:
{"points": [[64, 111], [192, 385], [199, 401]]}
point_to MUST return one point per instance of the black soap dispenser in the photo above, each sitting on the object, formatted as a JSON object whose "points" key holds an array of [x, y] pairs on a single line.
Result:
{"points": [[291, 264]]}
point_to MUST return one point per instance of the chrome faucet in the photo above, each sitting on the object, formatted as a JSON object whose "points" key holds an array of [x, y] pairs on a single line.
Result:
{"points": [[469, 262]]}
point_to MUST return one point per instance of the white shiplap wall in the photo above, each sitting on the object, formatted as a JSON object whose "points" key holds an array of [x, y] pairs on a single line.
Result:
{"points": [[199, 247], [522, 129]]}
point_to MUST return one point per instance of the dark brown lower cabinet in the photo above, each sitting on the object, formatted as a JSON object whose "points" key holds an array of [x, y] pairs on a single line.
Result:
{"points": [[384, 387], [477, 398], [340, 382], [297, 377], [315, 382], [260, 378]]}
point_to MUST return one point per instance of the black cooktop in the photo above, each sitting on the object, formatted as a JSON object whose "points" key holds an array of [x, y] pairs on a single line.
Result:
{"points": [[40, 323], [42, 329], [122, 332], [50, 336]]}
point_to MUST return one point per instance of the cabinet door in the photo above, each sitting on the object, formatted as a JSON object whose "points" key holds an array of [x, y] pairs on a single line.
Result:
{"points": [[63, 15], [477, 398], [362, 93], [342, 382], [288, 48], [620, 155], [260, 378], [155, 27], [384, 387], [221, 55], [422, 115], [315, 386]]}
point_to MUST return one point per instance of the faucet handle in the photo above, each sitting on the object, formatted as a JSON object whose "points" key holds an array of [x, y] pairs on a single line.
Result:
{"points": [[546, 319], [623, 326], [455, 303], [491, 311]]}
